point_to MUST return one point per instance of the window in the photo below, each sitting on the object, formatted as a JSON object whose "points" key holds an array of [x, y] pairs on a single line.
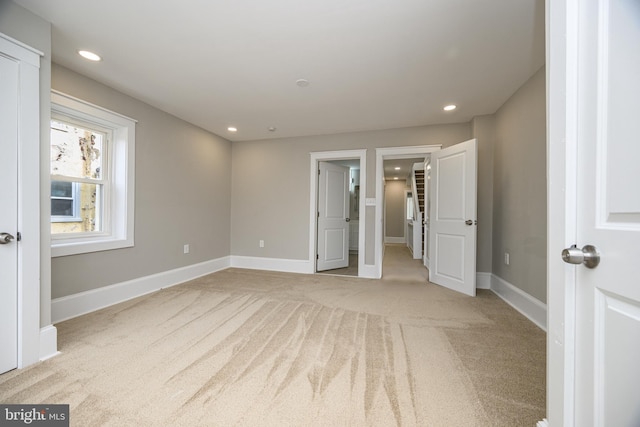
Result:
{"points": [[409, 206], [92, 177]]}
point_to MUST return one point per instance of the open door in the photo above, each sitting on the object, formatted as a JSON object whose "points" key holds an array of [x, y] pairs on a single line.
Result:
{"points": [[452, 233], [333, 217], [594, 213]]}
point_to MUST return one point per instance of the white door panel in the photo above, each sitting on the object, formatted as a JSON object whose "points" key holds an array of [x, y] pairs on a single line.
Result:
{"points": [[333, 214], [9, 214], [452, 240], [608, 214]]}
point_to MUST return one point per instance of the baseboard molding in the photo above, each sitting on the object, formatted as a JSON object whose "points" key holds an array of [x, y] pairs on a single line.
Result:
{"points": [[394, 239], [483, 280], [368, 271], [48, 342], [543, 423], [273, 264], [85, 302], [528, 306]]}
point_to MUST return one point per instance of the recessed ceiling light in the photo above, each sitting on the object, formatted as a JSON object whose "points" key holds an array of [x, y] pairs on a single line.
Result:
{"points": [[232, 129], [272, 129], [450, 107], [397, 168], [302, 82], [395, 177], [89, 55]]}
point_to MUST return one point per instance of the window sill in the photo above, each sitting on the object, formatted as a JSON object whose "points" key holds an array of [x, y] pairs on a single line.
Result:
{"points": [[65, 248]]}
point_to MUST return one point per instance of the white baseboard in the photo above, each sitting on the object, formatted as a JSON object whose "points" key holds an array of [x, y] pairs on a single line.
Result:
{"points": [[530, 307], [273, 264], [85, 302], [368, 271], [394, 239], [48, 342], [543, 423], [483, 280]]}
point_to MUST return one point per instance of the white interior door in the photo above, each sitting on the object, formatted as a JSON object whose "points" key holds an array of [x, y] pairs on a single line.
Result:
{"points": [[607, 314], [333, 217], [8, 214], [452, 234]]}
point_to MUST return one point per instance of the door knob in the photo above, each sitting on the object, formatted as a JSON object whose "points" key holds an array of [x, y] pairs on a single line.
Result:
{"points": [[348, 219], [588, 255], [5, 238]]}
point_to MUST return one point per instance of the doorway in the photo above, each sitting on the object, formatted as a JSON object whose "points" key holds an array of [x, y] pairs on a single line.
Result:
{"points": [[452, 228], [351, 160]]}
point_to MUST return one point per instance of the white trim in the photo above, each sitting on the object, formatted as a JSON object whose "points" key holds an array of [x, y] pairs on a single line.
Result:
{"points": [[313, 201], [530, 307], [388, 239], [85, 302], [48, 342], [17, 49], [483, 280], [381, 155], [272, 264], [562, 59], [543, 423], [368, 271]]}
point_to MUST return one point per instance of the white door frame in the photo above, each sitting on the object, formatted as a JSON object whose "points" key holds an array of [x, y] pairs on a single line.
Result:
{"points": [[29, 345], [561, 74], [382, 154], [317, 157]]}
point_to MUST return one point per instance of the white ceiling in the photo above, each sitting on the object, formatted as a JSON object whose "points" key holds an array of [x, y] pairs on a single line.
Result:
{"points": [[371, 64]]}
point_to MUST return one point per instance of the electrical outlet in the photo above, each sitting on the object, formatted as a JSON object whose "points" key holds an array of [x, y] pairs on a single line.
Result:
{"points": [[186, 249], [261, 243], [506, 258]]}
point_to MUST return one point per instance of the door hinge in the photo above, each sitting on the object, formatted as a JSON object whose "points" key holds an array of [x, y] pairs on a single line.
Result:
{"points": [[318, 171], [318, 214], [19, 236], [317, 256]]}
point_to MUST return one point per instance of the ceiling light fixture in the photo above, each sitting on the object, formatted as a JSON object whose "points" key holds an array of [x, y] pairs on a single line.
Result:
{"points": [[450, 107], [89, 55], [302, 82], [397, 168], [272, 129], [232, 129]]}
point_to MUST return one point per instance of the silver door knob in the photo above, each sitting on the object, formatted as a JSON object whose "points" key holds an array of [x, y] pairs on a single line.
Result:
{"points": [[5, 238], [347, 219], [588, 255]]}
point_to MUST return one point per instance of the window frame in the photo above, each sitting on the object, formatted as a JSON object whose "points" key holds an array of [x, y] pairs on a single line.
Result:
{"points": [[118, 210]]}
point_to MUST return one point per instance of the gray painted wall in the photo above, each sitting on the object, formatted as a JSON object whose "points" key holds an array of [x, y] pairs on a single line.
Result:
{"points": [[183, 195], [394, 208], [485, 132], [33, 31], [519, 189], [270, 185]]}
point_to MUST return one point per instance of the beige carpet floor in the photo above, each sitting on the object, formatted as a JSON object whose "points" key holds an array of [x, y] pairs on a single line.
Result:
{"points": [[254, 348]]}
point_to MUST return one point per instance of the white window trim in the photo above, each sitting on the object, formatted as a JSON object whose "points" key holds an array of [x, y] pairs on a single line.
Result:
{"points": [[120, 213]]}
